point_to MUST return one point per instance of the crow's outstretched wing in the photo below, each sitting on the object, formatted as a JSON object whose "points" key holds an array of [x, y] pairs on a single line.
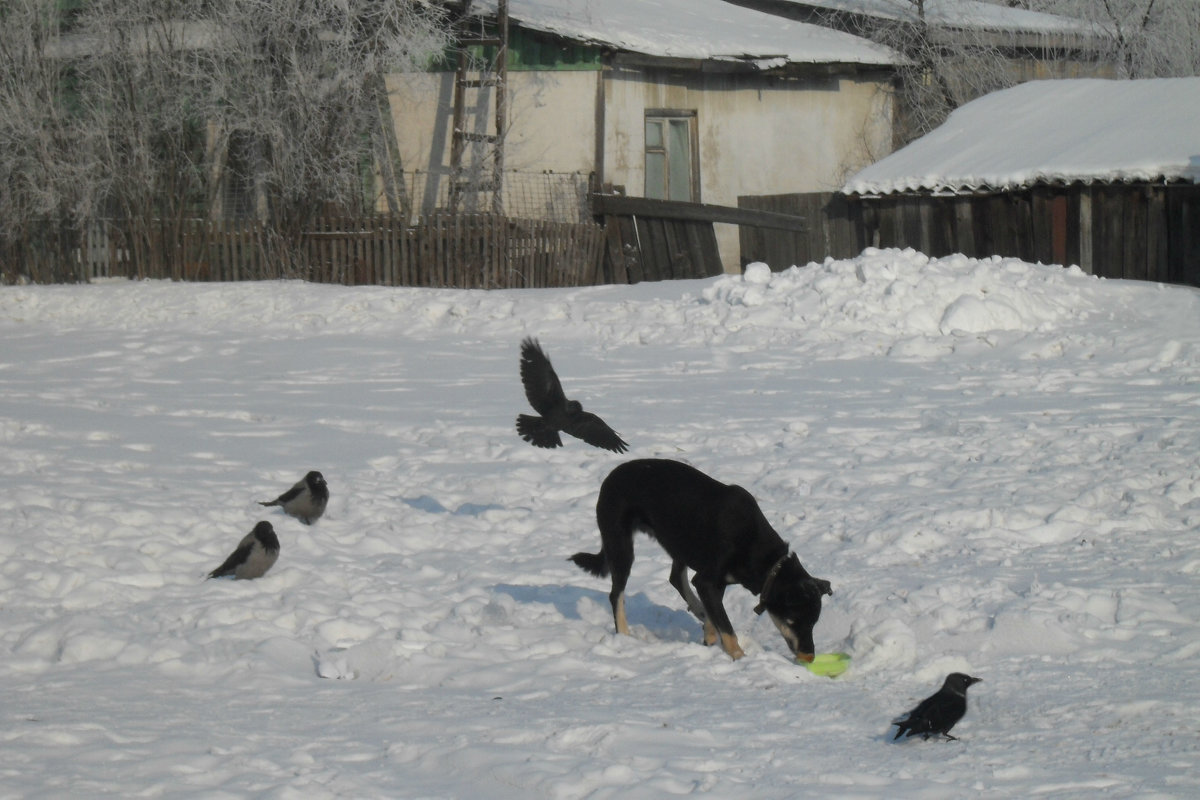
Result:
{"points": [[542, 387], [595, 431]]}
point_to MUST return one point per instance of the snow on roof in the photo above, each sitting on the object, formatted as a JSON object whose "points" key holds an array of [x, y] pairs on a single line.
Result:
{"points": [[1059, 131], [694, 29], [964, 14]]}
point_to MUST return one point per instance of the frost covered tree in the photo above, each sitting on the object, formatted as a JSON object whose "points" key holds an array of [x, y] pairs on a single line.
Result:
{"points": [[45, 186], [299, 96], [953, 59], [149, 111], [947, 60], [1141, 38], [945, 68], [141, 97]]}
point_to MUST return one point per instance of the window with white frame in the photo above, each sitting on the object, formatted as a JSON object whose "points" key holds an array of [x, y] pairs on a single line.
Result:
{"points": [[672, 171]]}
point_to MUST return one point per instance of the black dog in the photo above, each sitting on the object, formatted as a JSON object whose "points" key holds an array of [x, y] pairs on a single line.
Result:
{"points": [[716, 530]]}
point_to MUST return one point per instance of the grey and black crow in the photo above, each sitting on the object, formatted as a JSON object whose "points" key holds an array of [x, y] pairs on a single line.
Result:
{"points": [[306, 500], [254, 555], [545, 394], [938, 713]]}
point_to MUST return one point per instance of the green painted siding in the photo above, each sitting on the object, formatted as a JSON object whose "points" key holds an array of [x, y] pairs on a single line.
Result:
{"points": [[532, 50]]}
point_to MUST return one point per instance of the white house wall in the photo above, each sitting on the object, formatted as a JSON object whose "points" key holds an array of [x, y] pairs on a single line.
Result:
{"points": [[757, 134], [551, 120]]}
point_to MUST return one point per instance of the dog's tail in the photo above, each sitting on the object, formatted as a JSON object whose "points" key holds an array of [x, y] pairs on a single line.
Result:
{"points": [[594, 563]]}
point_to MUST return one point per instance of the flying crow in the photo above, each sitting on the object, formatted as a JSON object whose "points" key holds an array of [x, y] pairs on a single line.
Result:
{"points": [[306, 500], [558, 413], [938, 713], [254, 555]]}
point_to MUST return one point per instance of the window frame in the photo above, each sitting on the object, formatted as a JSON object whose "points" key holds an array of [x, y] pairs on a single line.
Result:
{"points": [[667, 117]]}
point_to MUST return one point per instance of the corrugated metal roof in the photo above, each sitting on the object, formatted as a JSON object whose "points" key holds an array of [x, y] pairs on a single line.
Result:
{"points": [[961, 14], [1066, 131], [695, 29]]}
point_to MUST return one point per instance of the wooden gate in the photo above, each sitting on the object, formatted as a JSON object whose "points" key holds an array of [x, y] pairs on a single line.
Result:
{"points": [[655, 240]]}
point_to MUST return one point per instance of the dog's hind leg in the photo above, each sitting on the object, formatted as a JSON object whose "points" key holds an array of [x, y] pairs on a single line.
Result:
{"points": [[617, 598], [680, 582], [620, 561], [710, 633]]}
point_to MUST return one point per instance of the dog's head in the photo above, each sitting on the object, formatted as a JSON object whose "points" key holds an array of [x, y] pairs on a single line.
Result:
{"points": [[793, 601]]}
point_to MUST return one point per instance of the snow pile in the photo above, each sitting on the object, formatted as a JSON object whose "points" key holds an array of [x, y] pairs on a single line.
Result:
{"points": [[908, 294], [992, 461]]}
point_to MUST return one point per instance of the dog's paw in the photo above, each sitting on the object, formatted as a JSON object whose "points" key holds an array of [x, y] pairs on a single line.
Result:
{"points": [[732, 647]]}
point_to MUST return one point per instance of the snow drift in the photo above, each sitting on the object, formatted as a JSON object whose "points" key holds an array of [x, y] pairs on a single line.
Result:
{"points": [[994, 462]]}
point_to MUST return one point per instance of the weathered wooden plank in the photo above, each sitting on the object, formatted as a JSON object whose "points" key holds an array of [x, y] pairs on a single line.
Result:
{"points": [[678, 263], [1084, 248], [1110, 223], [635, 258], [1157, 234], [619, 205], [1183, 235], [651, 242], [1133, 236]]}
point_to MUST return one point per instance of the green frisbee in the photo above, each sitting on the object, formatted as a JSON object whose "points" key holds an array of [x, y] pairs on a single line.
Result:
{"points": [[829, 664]]}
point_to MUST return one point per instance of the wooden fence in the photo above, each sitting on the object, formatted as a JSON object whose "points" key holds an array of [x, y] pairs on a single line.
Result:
{"points": [[654, 240], [640, 240], [443, 250], [1137, 231], [834, 228]]}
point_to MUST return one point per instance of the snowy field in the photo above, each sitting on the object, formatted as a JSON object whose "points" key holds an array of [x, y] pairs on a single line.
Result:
{"points": [[995, 463]]}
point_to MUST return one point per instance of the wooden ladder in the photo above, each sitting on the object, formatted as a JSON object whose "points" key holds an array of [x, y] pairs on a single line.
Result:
{"points": [[477, 156]]}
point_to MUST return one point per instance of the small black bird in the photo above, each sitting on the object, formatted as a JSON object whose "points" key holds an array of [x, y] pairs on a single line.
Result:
{"points": [[939, 712], [254, 555], [306, 500], [558, 413]]}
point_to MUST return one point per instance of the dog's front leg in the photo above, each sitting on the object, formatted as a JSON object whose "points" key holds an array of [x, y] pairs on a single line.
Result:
{"points": [[716, 623]]}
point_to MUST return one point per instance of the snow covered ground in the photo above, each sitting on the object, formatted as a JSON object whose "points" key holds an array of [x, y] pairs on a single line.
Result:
{"points": [[995, 463]]}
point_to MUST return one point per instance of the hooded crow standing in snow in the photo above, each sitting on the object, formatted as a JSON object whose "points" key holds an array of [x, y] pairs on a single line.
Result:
{"points": [[306, 500], [938, 713], [546, 395], [254, 555]]}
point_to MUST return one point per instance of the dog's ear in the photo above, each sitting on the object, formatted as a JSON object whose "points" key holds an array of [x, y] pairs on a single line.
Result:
{"points": [[822, 586]]}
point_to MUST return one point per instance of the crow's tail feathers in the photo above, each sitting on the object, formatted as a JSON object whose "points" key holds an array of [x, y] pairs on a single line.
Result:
{"points": [[595, 563], [535, 431], [911, 727]]}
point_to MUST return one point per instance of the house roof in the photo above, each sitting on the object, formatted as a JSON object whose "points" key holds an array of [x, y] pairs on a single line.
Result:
{"points": [[962, 14], [1064, 131], [710, 30]]}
